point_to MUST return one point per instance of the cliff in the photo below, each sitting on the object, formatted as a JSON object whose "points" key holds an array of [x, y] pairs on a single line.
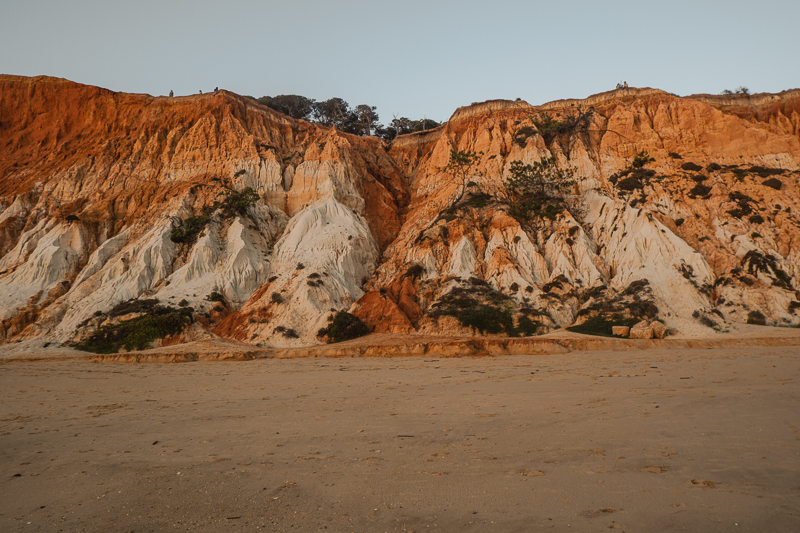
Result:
{"points": [[108, 197]]}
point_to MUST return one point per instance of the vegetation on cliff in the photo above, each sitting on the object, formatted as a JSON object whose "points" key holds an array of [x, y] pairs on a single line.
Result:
{"points": [[234, 203], [461, 167], [343, 327], [485, 310], [537, 189], [155, 322]]}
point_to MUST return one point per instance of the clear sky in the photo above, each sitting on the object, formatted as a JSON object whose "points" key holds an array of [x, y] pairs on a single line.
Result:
{"points": [[411, 58]]}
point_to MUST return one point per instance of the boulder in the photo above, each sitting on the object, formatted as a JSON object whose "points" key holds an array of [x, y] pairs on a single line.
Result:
{"points": [[659, 329], [642, 330], [620, 331]]}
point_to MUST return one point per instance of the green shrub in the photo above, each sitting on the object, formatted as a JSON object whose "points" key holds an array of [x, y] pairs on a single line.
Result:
{"points": [[215, 297], [484, 310], [641, 159], [557, 283], [637, 287], [479, 200], [631, 178], [415, 271], [550, 128], [132, 306], [743, 204], [538, 182], [630, 183], [756, 262], [344, 327], [527, 327], [460, 168], [237, 202], [487, 319], [643, 309], [191, 227], [533, 209], [766, 172], [704, 320], [522, 134], [757, 318], [137, 333], [692, 167], [699, 190], [601, 326], [481, 308]]}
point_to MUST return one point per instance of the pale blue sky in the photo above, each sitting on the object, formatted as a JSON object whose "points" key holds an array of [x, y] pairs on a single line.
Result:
{"points": [[408, 57]]}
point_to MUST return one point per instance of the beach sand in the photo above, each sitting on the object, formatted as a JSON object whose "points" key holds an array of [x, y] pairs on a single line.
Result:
{"points": [[660, 439]]}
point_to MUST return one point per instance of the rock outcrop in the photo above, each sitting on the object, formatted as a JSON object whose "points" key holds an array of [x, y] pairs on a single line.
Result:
{"points": [[96, 187]]}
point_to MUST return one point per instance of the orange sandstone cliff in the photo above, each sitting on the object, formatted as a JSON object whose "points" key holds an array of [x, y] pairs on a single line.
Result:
{"points": [[94, 186]]}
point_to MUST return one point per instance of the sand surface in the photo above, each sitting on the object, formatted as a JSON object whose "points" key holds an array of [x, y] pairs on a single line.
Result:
{"points": [[661, 439]]}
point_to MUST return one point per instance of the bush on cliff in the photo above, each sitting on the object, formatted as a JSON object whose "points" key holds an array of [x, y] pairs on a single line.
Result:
{"points": [[757, 318], [191, 228], [237, 202], [537, 189], [600, 326], [641, 159], [137, 333], [460, 168], [344, 327], [215, 296], [485, 310]]}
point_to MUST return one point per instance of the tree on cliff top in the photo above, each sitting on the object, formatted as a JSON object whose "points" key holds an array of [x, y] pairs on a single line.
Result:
{"points": [[403, 125], [334, 112], [294, 105], [367, 118], [360, 120]]}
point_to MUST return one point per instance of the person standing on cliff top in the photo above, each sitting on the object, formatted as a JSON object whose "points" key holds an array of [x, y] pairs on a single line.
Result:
{"points": [[625, 85]]}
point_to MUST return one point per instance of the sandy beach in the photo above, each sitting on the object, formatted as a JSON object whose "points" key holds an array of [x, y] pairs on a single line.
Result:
{"points": [[658, 439]]}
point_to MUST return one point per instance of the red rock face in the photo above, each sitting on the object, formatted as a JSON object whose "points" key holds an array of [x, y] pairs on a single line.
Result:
{"points": [[734, 153], [93, 183]]}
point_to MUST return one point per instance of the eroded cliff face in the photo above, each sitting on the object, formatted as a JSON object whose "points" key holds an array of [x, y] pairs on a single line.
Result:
{"points": [[94, 184]]}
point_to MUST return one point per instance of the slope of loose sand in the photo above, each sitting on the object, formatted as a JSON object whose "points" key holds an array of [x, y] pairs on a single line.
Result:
{"points": [[660, 439]]}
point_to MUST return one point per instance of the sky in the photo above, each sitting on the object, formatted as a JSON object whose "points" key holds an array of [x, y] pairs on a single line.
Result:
{"points": [[412, 58]]}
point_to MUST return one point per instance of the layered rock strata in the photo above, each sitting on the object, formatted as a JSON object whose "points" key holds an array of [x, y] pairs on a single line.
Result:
{"points": [[94, 186]]}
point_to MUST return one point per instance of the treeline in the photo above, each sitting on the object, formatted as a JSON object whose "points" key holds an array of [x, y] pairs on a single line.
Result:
{"points": [[359, 120]]}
